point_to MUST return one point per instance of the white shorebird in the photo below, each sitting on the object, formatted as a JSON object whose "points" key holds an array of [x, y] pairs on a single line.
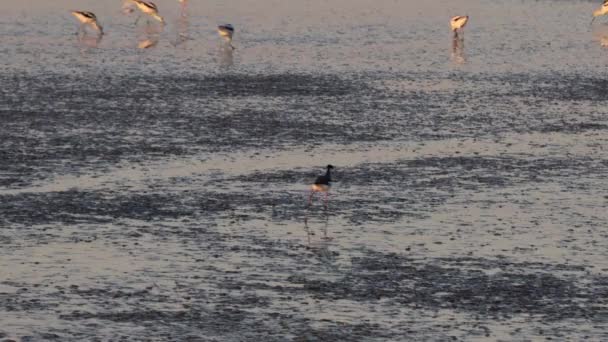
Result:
{"points": [[149, 8], [226, 31], [603, 10], [458, 23], [87, 18]]}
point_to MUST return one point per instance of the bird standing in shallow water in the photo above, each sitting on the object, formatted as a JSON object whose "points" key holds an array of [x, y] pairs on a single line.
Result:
{"points": [[603, 10], [322, 184], [148, 8], [87, 18], [458, 23], [226, 32]]}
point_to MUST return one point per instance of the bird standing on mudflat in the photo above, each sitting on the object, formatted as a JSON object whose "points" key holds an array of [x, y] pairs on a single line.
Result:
{"points": [[87, 18], [149, 8], [458, 23], [322, 184], [226, 31], [603, 10]]}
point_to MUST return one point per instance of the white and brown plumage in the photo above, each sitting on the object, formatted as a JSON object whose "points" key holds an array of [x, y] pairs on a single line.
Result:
{"points": [[226, 31], [88, 18], [458, 22], [603, 10], [149, 8]]}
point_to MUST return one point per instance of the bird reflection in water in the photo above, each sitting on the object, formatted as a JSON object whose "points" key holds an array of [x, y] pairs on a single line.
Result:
{"points": [[148, 43], [226, 57], [149, 36], [182, 25], [458, 55], [601, 35], [87, 41], [321, 247], [325, 239]]}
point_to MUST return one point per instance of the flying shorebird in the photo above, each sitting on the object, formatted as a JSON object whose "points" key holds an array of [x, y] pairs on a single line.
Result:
{"points": [[603, 10], [226, 32], [148, 8], [458, 22], [322, 184], [87, 18]]}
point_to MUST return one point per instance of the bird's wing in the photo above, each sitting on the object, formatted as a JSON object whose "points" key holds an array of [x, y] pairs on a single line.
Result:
{"points": [[90, 15], [605, 3], [152, 5]]}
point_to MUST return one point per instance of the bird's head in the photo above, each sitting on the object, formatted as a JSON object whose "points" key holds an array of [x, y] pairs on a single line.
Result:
{"points": [[329, 167]]}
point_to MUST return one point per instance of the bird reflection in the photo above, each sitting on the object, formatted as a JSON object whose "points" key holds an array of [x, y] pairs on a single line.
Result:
{"points": [[148, 43], [226, 57], [601, 35], [183, 25], [88, 41], [149, 37], [458, 55], [320, 247], [324, 229]]}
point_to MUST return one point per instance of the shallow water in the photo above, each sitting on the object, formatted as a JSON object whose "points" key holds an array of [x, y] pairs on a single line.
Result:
{"points": [[153, 184]]}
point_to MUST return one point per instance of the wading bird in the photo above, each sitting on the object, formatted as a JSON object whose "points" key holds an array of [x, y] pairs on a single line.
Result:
{"points": [[226, 32], [322, 184], [87, 18], [149, 8], [603, 10], [458, 22]]}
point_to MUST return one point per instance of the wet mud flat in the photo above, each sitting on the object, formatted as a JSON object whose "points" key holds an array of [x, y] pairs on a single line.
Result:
{"points": [[179, 212]]}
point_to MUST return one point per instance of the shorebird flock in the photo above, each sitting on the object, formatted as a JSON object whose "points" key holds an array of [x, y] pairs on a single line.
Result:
{"points": [[226, 31], [148, 8]]}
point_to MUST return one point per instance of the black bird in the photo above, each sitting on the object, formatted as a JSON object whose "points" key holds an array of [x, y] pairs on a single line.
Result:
{"points": [[322, 184]]}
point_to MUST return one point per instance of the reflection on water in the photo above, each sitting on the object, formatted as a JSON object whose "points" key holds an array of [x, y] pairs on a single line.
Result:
{"points": [[600, 34], [88, 41], [148, 43], [321, 247], [150, 36], [324, 229], [182, 26], [458, 55], [226, 56]]}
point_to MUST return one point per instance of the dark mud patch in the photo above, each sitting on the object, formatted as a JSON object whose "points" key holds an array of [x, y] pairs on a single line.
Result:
{"points": [[447, 285], [78, 123]]}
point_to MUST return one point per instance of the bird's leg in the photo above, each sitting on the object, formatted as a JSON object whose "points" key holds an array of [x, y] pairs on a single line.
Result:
{"points": [[592, 19], [307, 230], [310, 197], [326, 199], [325, 227]]}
